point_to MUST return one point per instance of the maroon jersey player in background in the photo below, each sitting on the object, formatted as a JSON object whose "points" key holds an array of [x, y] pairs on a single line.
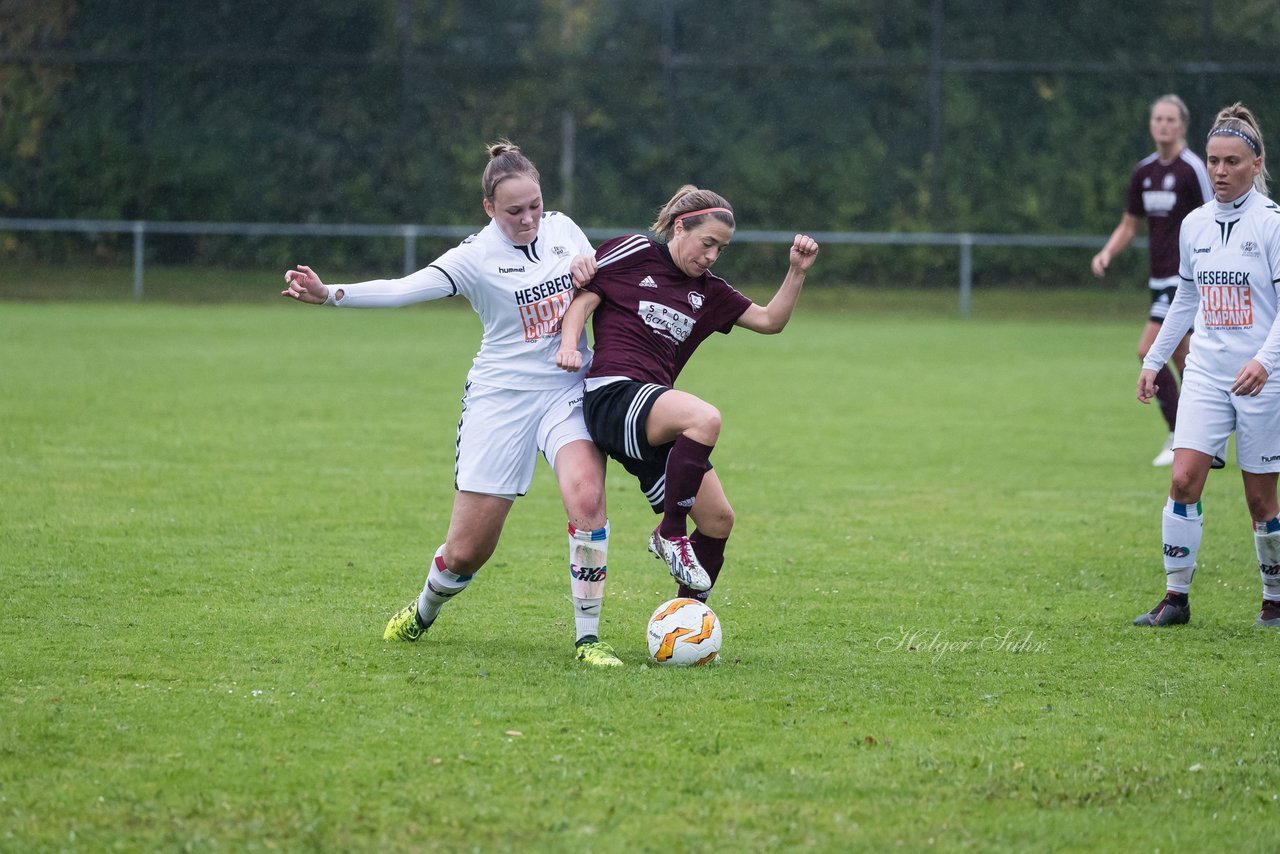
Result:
{"points": [[652, 305], [1166, 186]]}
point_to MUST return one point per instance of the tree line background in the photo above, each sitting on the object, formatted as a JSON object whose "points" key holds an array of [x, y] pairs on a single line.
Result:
{"points": [[985, 116]]}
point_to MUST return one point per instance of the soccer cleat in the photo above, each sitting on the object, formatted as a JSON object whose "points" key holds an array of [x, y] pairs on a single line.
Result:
{"points": [[1270, 615], [405, 625], [1174, 610], [1165, 457], [680, 559], [1217, 462], [597, 654]]}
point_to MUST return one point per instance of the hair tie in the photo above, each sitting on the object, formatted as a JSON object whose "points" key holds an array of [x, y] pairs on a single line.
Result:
{"points": [[1233, 132], [703, 211]]}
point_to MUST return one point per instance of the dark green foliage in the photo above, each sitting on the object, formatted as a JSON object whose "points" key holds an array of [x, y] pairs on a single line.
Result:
{"points": [[815, 115]]}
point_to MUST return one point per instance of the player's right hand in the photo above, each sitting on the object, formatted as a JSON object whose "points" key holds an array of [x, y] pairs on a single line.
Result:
{"points": [[1099, 264], [569, 360], [1147, 387], [305, 286]]}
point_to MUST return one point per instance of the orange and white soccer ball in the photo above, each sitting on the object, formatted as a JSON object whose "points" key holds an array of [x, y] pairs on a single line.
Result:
{"points": [[684, 633]]}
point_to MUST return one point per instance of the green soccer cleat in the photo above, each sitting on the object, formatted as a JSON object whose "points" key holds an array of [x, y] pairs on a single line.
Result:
{"points": [[404, 625], [598, 654]]}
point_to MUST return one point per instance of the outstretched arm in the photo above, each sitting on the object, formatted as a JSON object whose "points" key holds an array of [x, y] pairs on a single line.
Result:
{"points": [[770, 319], [571, 325]]}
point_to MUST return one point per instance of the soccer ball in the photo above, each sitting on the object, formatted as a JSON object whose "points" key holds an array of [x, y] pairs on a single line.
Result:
{"points": [[684, 633]]}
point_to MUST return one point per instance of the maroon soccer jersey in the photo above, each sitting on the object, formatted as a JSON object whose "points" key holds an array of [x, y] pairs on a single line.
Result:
{"points": [[652, 316], [1165, 193]]}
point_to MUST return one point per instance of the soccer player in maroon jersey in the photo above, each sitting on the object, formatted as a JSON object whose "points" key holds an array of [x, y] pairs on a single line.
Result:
{"points": [[1165, 186], [652, 304]]}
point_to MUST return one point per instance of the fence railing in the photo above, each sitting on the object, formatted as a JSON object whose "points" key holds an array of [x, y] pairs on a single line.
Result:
{"points": [[964, 242]]}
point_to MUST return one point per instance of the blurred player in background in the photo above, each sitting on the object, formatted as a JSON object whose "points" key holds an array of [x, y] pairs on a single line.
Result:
{"points": [[653, 304], [518, 274], [1164, 188], [1229, 273]]}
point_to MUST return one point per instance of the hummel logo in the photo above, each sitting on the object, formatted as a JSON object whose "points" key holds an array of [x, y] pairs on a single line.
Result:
{"points": [[648, 282]]}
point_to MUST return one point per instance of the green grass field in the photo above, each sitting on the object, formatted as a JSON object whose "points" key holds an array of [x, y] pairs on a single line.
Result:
{"points": [[944, 529]]}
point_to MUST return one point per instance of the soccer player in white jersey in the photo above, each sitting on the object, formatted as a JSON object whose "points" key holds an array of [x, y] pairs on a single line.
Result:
{"points": [[653, 304], [1165, 186], [1230, 271], [518, 274]]}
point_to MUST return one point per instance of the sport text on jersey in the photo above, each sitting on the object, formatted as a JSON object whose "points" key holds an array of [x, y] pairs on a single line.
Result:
{"points": [[1225, 298], [541, 306], [663, 318]]}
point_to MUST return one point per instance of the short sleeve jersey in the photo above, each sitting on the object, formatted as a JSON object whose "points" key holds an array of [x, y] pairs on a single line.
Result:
{"points": [[1231, 256], [520, 294], [652, 316], [1164, 193]]}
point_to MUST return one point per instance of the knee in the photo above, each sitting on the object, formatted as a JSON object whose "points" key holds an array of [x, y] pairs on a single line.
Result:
{"points": [[705, 426], [1182, 489], [1262, 508], [465, 558], [584, 504]]}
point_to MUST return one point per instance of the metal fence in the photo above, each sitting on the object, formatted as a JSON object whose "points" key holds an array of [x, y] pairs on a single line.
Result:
{"points": [[964, 243]]}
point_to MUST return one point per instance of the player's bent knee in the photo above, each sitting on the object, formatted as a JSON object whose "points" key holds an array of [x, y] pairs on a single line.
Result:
{"points": [[466, 559], [705, 426], [585, 507]]}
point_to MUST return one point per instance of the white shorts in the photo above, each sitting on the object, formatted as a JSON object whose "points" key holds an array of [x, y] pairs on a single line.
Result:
{"points": [[1207, 416], [502, 430]]}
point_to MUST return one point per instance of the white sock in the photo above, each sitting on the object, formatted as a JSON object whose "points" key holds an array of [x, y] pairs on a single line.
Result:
{"points": [[1266, 538], [442, 585], [1181, 526], [588, 566]]}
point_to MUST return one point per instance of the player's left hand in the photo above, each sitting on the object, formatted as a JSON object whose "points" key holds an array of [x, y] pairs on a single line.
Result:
{"points": [[1250, 380], [583, 268], [804, 251]]}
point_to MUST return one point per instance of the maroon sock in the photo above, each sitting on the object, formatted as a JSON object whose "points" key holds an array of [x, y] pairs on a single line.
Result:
{"points": [[710, 552], [1167, 396], [686, 465]]}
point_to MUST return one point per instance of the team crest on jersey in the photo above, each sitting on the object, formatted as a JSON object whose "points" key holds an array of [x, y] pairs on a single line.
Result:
{"points": [[695, 300], [1169, 181], [560, 251], [1249, 249]]}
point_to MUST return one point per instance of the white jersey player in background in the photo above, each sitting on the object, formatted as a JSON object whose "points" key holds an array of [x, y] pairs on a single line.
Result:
{"points": [[1229, 271], [518, 274]]}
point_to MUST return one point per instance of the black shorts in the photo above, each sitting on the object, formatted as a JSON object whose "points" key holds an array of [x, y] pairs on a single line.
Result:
{"points": [[1161, 299], [616, 415]]}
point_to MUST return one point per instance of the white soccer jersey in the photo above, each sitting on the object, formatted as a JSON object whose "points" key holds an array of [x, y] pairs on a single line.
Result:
{"points": [[1229, 270], [520, 293]]}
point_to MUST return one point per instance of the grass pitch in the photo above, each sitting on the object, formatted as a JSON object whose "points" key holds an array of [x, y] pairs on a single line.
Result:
{"points": [[944, 529]]}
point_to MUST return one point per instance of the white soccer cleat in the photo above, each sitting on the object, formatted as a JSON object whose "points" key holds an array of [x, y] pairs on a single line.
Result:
{"points": [[680, 559], [1165, 457]]}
